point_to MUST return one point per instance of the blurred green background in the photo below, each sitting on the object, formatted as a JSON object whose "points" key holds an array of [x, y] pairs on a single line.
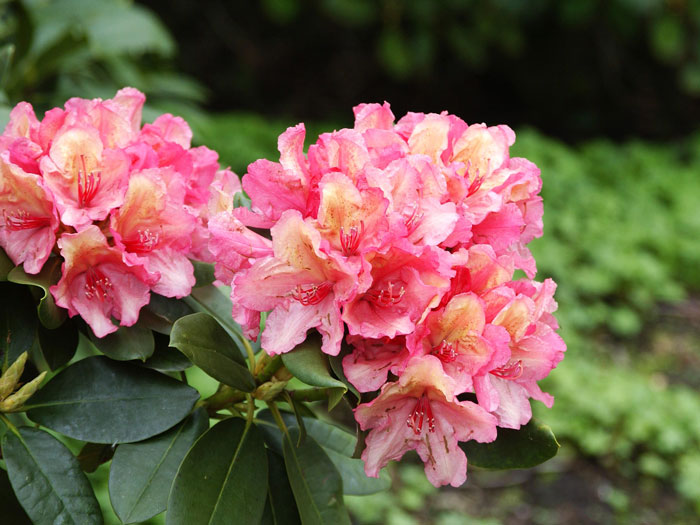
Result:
{"points": [[604, 96]]}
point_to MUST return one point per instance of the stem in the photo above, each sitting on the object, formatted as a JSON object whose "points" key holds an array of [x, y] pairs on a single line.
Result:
{"points": [[222, 399], [10, 425], [269, 370], [251, 410], [278, 419], [251, 356]]}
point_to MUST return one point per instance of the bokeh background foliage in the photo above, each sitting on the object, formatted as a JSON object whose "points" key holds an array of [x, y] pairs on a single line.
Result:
{"points": [[613, 86]]}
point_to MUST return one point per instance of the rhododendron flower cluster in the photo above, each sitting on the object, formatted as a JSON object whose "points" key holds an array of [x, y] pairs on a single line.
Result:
{"points": [[123, 205], [401, 239]]}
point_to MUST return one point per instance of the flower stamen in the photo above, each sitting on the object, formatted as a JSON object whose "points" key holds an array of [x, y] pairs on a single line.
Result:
{"points": [[387, 296], [311, 293], [350, 240], [88, 183], [21, 220], [421, 413], [445, 351], [509, 372], [145, 242], [97, 285]]}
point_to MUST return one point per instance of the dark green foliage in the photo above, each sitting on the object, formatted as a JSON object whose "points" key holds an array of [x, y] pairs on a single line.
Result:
{"points": [[222, 478], [105, 401], [47, 479]]}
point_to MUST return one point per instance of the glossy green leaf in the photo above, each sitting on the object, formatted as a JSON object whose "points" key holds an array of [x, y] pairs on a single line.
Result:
{"points": [[105, 401], [309, 364], [216, 302], [203, 273], [17, 321], [50, 315], [142, 473], [161, 313], [57, 346], [127, 343], [165, 358], [315, 482], [531, 445], [12, 511], [223, 478], [202, 339], [336, 362], [283, 509], [47, 479], [339, 445], [6, 265]]}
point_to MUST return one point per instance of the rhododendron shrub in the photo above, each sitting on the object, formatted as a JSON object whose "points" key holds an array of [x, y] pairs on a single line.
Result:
{"points": [[402, 239], [374, 271]]}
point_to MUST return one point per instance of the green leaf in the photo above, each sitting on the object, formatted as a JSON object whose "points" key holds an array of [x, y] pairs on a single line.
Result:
{"points": [[339, 445], [142, 473], [17, 322], [212, 300], [202, 339], [47, 479], [283, 508], [105, 401], [57, 347], [50, 315], [166, 358], [127, 343], [531, 445], [315, 482], [222, 479], [310, 365], [118, 28], [161, 313], [6, 265], [203, 273], [336, 362], [12, 511]]}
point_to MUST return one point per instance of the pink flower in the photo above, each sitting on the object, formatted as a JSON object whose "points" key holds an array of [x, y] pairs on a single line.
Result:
{"points": [[524, 309], [98, 283], [301, 283], [421, 411], [86, 179], [404, 288], [459, 336], [152, 225], [28, 219], [371, 361]]}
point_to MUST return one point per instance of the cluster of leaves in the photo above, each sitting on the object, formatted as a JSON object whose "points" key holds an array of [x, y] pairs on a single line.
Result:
{"points": [[53, 50]]}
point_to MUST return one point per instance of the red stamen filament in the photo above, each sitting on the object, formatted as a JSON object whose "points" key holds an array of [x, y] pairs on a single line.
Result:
{"points": [[510, 372], [421, 412], [145, 243], [350, 240], [97, 285], [413, 220], [88, 184], [387, 296], [311, 294], [445, 351], [21, 220], [475, 185]]}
